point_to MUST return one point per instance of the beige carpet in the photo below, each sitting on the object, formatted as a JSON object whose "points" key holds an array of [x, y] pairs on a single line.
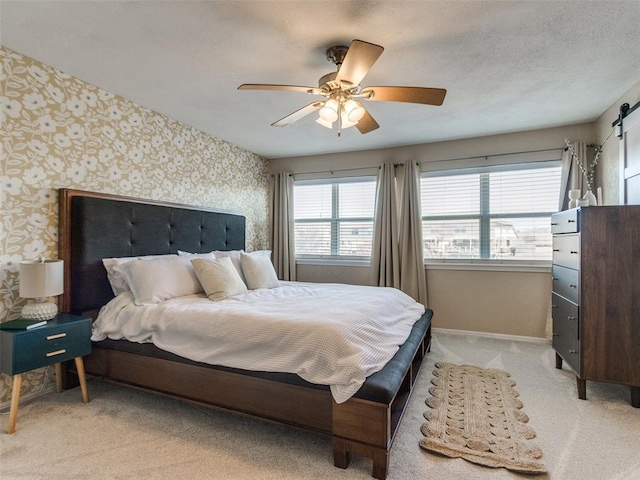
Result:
{"points": [[476, 415], [126, 434]]}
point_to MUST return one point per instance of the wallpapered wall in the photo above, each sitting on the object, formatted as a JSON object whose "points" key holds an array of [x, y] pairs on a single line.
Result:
{"points": [[58, 131]]}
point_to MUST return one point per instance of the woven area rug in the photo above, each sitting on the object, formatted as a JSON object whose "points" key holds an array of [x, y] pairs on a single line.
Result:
{"points": [[476, 415]]}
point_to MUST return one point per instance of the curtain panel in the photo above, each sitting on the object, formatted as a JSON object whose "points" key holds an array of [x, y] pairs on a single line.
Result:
{"points": [[571, 176], [282, 233], [413, 279], [385, 252]]}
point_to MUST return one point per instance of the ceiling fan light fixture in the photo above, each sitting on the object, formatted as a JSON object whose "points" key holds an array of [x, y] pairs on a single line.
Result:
{"points": [[324, 123], [354, 111], [344, 120], [329, 112]]}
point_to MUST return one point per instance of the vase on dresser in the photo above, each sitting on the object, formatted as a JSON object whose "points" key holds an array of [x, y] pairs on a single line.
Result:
{"points": [[591, 198]]}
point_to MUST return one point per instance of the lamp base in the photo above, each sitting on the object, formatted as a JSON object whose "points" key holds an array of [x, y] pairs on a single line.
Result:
{"points": [[39, 310]]}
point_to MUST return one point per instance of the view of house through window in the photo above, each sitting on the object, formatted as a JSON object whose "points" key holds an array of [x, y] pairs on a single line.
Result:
{"points": [[334, 217], [498, 213]]}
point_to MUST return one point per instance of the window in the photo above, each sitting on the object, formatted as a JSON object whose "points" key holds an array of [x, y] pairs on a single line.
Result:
{"points": [[333, 218], [495, 213]]}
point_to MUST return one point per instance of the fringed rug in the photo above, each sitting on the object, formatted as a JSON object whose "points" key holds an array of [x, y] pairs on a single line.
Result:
{"points": [[476, 415]]}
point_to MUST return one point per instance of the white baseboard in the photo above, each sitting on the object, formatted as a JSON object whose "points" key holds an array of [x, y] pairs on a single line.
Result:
{"points": [[498, 336]]}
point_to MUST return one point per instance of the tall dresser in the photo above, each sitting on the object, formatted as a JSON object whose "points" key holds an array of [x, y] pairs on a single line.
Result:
{"points": [[596, 295]]}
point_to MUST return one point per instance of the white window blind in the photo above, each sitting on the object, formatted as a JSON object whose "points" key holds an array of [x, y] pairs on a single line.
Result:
{"points": [[333, 218], [499, 213]]}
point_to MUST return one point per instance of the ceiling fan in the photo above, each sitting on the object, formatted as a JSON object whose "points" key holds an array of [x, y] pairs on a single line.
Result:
{"points": [[342, 91]]}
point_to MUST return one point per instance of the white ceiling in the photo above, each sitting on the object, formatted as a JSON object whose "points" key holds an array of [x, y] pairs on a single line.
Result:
{"points": [[507, 65]]}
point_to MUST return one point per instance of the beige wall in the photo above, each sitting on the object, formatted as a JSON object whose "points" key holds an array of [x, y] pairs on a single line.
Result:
{"points": [[608, 170], [510, 303], [58, 131]]}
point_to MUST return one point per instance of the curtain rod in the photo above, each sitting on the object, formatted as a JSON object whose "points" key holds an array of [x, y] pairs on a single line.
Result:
{"points": [[434, 161], [493, 155], [334, 170]]}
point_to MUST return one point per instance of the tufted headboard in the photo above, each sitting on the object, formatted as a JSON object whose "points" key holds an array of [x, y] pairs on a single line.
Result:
{"points": [[94, 226]]}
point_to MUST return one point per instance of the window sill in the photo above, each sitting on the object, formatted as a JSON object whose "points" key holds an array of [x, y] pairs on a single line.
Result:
{"points": [[488, 265], [334, 262]]}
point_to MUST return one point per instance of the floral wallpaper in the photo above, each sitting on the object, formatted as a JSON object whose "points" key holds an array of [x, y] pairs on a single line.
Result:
{"points": [[58, 131]]}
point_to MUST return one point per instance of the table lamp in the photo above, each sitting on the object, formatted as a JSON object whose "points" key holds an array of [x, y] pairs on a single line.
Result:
{"points": [[40, 279]]}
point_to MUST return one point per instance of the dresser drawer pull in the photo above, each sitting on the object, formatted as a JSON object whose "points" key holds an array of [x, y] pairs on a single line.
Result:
{"points": [[573, 351], [554, 334], [573, 252], [556, 249], [57, 352], [571, 318], [573, 286], [571, 221], [553, 224], [58, 335], [554, 278], [554, 306]]}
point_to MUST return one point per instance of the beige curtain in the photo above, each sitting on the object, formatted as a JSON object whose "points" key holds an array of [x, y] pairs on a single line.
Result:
{"points": [[571, 177], [385, 254], [413, 280], [282, 236]]}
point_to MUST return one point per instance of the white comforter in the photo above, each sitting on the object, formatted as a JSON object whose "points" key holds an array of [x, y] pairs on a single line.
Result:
{"points": [[329, 334]]}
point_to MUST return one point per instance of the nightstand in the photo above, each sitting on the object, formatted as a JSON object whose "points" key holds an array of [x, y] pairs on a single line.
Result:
{"points": [[63, 338]]}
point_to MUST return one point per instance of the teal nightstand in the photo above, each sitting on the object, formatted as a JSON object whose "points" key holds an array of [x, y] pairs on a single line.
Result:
{"points": [[63, 338]]}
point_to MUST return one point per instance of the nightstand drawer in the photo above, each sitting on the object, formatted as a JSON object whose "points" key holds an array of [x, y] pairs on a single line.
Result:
{"points": [[566, 282], [57, 342]]}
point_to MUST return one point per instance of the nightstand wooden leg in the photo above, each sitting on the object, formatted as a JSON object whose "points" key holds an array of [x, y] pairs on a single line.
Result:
{"points": [[58, 377], [582, 388], [15, 399], [83, 380]]}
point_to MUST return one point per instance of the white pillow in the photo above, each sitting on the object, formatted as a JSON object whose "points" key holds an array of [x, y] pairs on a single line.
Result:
{"points": [[159, 279], [118, 282], [208, 255], [218, 277], [234, 255], [258, 271]]}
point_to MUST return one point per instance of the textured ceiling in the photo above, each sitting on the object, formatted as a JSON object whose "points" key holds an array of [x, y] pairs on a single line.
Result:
{"points": [[507, 65]]}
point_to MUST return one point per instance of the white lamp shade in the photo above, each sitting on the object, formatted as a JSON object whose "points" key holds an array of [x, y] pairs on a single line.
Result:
{"points": [[324, 123], [354, 111], [344, 120], [41, 279], [329, 112]]}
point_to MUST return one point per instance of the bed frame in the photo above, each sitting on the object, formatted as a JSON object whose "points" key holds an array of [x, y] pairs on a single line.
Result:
{"points": [[93, 226]]}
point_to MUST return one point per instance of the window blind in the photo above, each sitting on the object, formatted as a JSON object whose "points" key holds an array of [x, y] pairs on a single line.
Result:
{"points": [[499, 213], [334, 217]]}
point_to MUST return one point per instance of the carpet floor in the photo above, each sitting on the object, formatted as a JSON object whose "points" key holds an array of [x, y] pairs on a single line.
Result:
{"points": [[123, 433]]}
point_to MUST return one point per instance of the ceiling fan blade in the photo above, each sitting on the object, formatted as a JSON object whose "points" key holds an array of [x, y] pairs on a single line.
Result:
{"points": [[367, 124], [359, 59], [426, 96], [286, 88], [297, 115]]}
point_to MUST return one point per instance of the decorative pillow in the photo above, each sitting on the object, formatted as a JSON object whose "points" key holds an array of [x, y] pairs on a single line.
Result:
{"points": [[258, 271], [118, 282], [159, 279], [234, 255], [218, 277]]}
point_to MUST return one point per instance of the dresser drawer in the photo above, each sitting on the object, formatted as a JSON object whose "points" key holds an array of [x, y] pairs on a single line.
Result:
{"points": [[41, 347], [566, 282], [566, 250], [565, 222], [566, 331]]}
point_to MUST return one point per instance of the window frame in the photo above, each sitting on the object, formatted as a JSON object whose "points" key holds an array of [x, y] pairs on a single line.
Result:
{"points": [[484, 217], [335, 221]]}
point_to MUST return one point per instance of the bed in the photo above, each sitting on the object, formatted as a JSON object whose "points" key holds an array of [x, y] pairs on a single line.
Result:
{"points": [[94, 226]]}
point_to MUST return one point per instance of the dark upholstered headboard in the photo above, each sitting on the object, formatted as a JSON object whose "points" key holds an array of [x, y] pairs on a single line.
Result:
{"points": [[94, 226]]}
